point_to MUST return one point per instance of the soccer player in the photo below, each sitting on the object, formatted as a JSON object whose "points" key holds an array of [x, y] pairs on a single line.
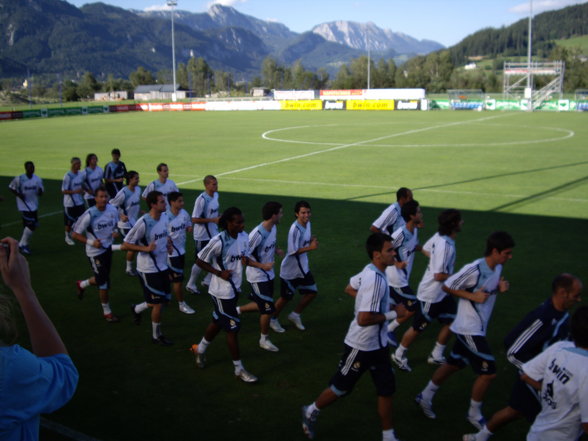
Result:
{"points": [[224, 257], [128, 202], [561, 375], [433, 302], [540, 328], [263, 248], [391, 218], [179, 223], [476, 285], [162, 184], [295, 272], [406, 242], [205, 217], [150, 238], [365, 345], [73, 201], [114, 174], [92, 178], [27, 188], [95, 228]]}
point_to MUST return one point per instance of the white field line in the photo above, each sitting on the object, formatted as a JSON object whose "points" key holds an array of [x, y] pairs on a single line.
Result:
{"points": [[9, 224], [388, 187], [341, 146]]}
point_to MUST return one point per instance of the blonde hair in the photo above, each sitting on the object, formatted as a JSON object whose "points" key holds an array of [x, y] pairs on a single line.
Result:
{"points": [[8, 332]]}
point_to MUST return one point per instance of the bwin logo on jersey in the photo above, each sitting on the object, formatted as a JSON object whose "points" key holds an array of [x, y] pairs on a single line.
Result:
{"points": [[179, 228], [32, 187], [103, 225], [236, 257], [159, 236], [269, 247]]}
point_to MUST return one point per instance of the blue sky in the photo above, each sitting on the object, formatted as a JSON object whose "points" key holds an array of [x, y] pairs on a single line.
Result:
{"points": [[446, 21]]}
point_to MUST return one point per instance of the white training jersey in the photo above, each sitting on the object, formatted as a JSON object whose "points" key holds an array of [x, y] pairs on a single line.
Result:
{"points": [[73, 181], [128, 203], [29, 188], [96, 224], [390, 220], [294, 265], [224, 252], [563, 370], [262, 247], [373, 295], [472, 318], [92, 180], [205, 207], [164, 188], [145, 231], [176, 228], [404, 243], [441, 261]]}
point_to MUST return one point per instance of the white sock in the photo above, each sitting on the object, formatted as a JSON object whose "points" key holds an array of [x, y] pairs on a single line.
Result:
{"points": [[475, 409], [129, 265], [401, 351], [295, 314], [106, 308], [26, 235], [203, 345], [388, 435], [429, 391], [206, 281], [264, 337], [484, 434], [239, 310], [238, 366], [156, 329], [312, 409], [438, 350], [194, 275], [67, 234], [140, 307], [393, 325], [115, 247], [85, 283]]}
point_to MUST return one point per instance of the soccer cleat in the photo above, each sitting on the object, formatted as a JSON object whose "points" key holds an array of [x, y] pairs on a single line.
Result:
{"points": [[199, 359], [69, 241], [111, 318], [162, 340], [308, 423], [268, 345], [276, 326], [402, 363], [245, 376], [185, 308], [392, 340], [192, 289], [477, 421], [24, 249], [136, 315], [79, 289], [469, 437], [296, 320], [432, 360], [426, 406], [131, 272]]}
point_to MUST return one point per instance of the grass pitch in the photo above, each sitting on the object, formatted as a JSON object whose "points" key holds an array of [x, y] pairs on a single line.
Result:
{"points": [[524, 173]]}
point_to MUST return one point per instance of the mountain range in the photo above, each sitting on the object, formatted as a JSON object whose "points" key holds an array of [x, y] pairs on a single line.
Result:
{"points": [[53, 36]]}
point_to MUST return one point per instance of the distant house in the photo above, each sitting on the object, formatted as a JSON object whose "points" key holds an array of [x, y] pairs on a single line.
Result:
{"points": [[117, 95], [149, 92], [260, 92]]}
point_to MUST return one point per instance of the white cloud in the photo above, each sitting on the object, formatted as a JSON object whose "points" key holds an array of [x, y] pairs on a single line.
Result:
{"points": [[226, 2], [543, 5]]}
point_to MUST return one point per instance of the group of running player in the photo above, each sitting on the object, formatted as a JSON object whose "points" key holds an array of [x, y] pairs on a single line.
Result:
{"points": [[462, 301]]}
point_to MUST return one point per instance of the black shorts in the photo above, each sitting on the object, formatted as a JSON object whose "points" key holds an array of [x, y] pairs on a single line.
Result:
{"points": [[225, 314], [406, 296], [525, 399], [263, 295], [473, 350], [71, 214], [443, 311], [355, 362], [176, 268], [30, 219], [156, 287], [101, 268], [304, 285]]}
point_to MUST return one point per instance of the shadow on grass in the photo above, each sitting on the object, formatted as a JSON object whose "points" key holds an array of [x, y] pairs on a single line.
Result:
{"points": [[133, 390]]}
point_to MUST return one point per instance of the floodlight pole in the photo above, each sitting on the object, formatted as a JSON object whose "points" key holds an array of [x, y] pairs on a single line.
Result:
{"points": [[530, 58], [172, 4], [368, 62]]}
